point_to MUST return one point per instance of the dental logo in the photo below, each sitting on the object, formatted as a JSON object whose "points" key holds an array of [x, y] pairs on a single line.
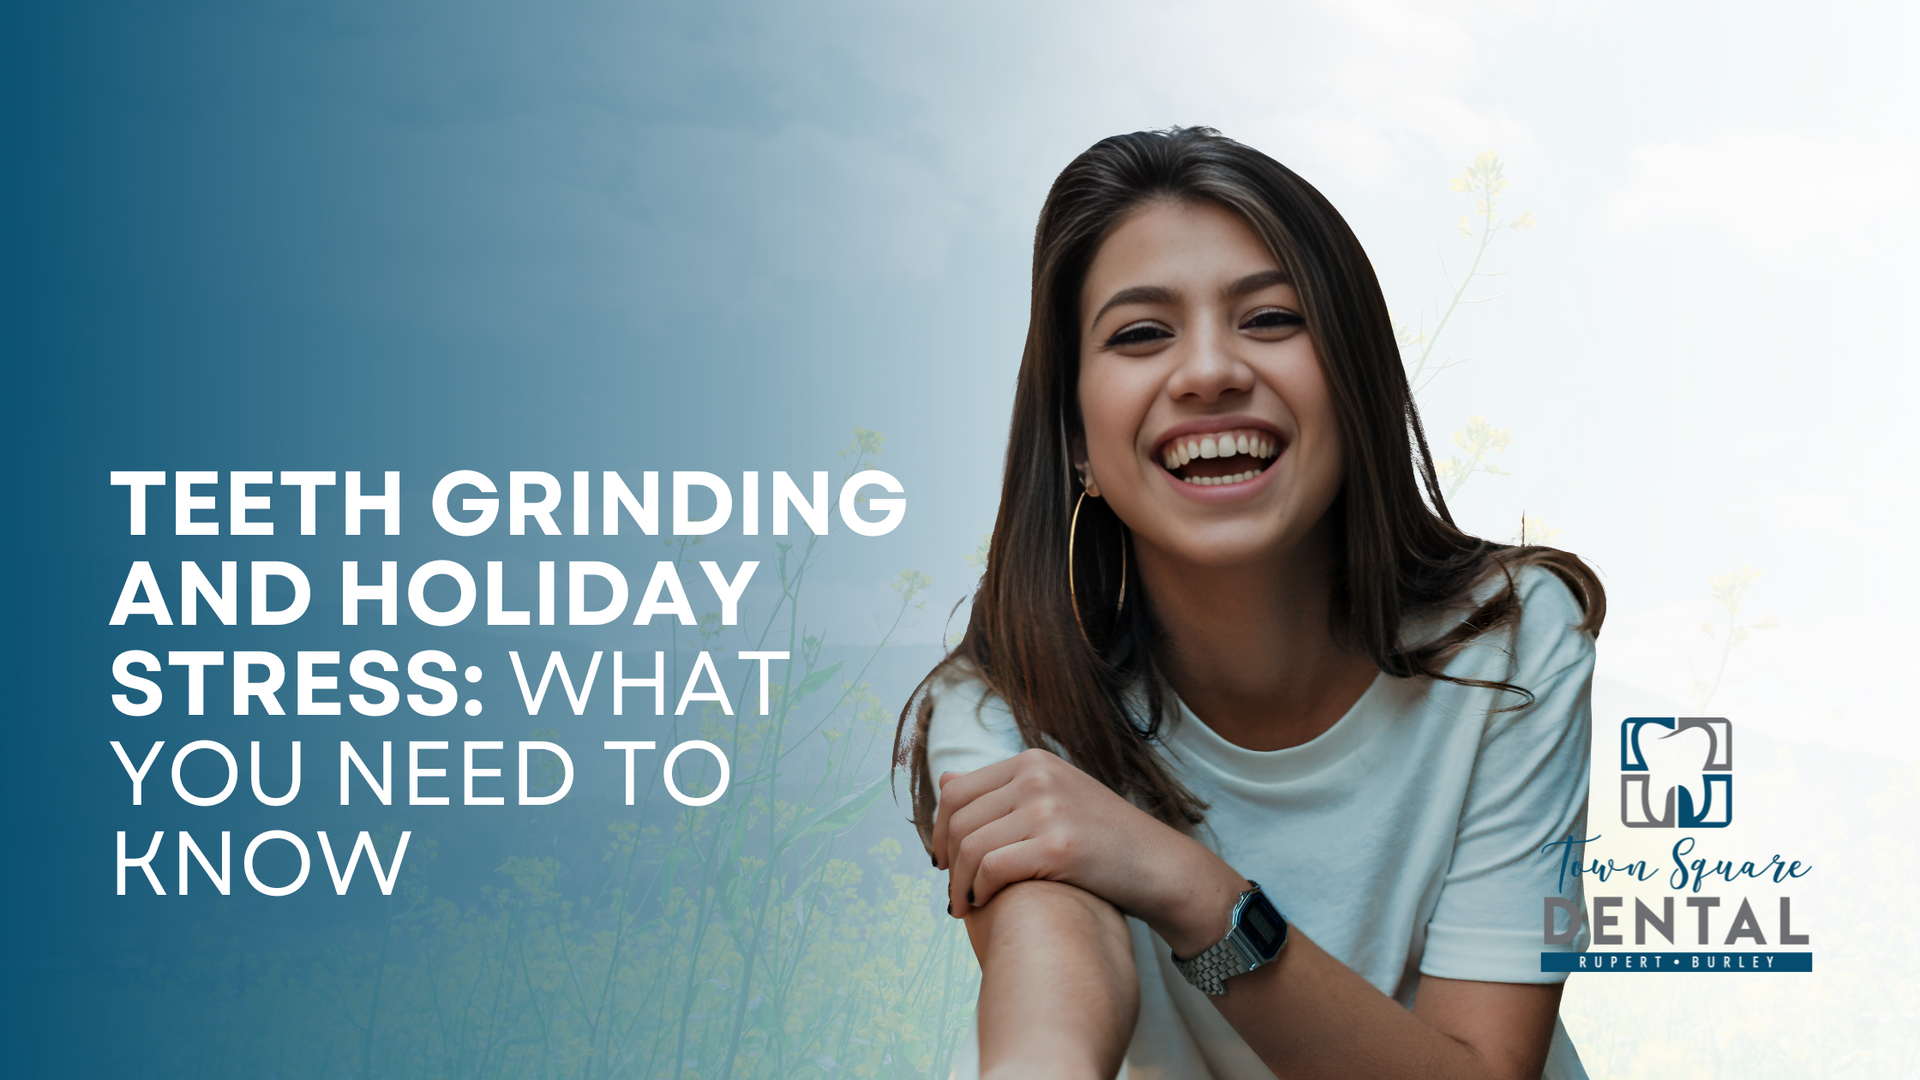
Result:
{"points": [[1692, 756]]}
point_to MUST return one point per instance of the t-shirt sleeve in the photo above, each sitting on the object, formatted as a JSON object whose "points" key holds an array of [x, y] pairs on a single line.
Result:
{"points": [[971, 728], [1528, 790]]}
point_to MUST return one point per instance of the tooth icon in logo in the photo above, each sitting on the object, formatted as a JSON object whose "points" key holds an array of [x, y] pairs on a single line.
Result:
{"points": [[1688, 761]]}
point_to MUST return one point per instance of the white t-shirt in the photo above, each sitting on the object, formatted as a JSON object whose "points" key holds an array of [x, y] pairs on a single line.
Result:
{"points": [[1405, 840]]}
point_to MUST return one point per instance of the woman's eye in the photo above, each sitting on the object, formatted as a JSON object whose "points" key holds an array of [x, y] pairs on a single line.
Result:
{"points": [[1139, 333], [1272, 318]]}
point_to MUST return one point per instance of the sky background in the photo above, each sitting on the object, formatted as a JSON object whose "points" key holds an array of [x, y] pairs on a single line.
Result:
{"points": [[719, 236]]}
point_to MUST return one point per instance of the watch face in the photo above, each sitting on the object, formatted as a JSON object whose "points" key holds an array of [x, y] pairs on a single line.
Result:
{"points": [[1263, 926]]}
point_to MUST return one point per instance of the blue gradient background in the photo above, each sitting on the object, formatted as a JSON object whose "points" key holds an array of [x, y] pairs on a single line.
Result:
{"points": [[354, 237], [719, 236]]}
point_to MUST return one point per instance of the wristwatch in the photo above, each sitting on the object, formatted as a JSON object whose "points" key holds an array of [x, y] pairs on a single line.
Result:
{"points": [[1256, 937]]}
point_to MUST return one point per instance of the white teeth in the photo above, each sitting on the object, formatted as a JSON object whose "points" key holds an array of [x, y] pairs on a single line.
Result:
{"points": [[1215, 481], [1255, 444]]}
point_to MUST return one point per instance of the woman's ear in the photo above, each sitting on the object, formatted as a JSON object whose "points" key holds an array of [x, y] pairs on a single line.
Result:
{"points": [[1085, 469]]}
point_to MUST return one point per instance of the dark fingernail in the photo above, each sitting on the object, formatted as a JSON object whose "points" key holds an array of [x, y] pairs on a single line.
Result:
{"points": [[935, 859], [949, 907], [969, 896]]}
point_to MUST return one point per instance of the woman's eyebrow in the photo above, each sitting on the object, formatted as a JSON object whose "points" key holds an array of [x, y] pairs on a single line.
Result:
{"points": [[1137, 294], [1160, 294], [1253, 283]]}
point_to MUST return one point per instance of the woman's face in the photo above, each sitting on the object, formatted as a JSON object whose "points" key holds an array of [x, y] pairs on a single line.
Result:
{"points": [[1209, 427]]}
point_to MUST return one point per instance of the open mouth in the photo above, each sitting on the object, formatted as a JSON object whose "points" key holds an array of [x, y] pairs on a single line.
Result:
{"points": [[1221, 457]]}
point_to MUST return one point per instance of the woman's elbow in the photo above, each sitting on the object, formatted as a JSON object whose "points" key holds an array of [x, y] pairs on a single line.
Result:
{"points": [[1058, 991]]}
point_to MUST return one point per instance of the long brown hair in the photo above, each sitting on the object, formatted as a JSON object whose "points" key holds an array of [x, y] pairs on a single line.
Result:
{"points": [[1084, 682]]}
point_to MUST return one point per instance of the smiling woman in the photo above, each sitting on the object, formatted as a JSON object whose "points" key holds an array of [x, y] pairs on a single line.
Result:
{"points": [[1229, 634]]}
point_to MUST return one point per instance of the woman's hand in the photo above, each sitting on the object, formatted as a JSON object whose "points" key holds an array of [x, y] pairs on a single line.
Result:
{"points": [[1035, 817]]}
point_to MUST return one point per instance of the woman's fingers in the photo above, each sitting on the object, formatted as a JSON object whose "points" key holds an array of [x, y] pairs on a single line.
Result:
{"points": [[978, 813], [1037, 817], [1027, 859], [938, 841], [957, 789], [978, 846], [1031, 796]]}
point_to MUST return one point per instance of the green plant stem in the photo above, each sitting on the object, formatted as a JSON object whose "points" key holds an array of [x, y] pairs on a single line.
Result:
{"points": [[1487, 232], [1726, 648], [373, 1007]]}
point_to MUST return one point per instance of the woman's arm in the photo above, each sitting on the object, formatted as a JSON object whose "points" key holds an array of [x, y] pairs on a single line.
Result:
{"points": [[1306, 1014], [1058, 992]]}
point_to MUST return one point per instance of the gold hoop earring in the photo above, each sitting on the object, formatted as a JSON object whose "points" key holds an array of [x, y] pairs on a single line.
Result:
{"points": [[1073, 595]]}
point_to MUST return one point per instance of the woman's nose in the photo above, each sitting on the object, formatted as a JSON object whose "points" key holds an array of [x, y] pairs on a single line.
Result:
{"points": [[1207, 369]]}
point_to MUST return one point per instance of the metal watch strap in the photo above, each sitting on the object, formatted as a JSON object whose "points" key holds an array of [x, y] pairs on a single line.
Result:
{"points": [[1230, 956]]}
